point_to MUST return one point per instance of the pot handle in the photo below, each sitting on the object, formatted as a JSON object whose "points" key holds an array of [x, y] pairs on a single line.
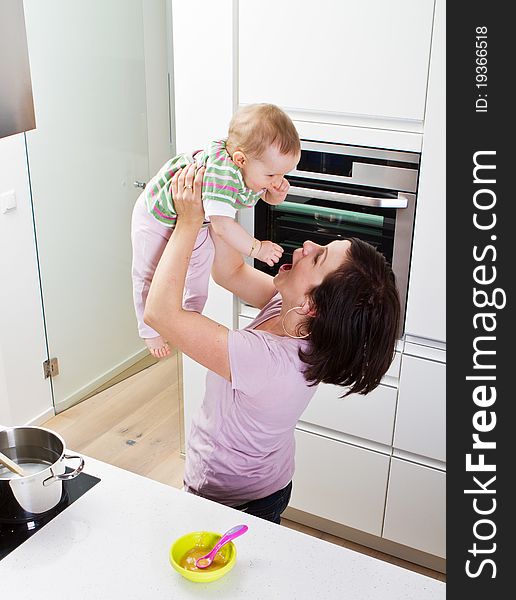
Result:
{"points": [[66, 476]]}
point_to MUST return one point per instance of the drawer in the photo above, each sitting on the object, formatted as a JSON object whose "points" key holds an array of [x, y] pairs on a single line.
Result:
{"points": [[339, 482], [421, 415], [369, 417], [415, 513]]}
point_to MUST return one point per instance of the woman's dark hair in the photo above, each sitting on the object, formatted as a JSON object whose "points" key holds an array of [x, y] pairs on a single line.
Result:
{"points": [[354, 331]]}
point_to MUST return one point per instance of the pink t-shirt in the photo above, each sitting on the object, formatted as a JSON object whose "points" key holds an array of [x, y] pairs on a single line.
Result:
{"points": [[241, 445]]}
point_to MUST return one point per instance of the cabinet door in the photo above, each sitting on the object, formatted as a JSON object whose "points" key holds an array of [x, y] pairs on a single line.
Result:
{"points": [[203, 101], [219, 307], [426, 302], [370, 417], [339, 482], [366, 58], [415, 513], [197, 121], [421, 416]]}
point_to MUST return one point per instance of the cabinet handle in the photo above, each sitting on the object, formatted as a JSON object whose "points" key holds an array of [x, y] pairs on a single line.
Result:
{"points": [[400, 202]]}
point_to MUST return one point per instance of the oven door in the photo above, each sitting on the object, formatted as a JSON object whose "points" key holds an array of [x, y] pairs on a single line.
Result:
{"points": [[383, 218]]}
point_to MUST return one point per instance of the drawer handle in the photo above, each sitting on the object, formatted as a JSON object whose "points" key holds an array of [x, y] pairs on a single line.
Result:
{"points": [[400, 202]]}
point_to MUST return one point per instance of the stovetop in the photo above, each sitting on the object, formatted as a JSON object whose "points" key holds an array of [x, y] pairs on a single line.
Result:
{"points": [[14, 531]]}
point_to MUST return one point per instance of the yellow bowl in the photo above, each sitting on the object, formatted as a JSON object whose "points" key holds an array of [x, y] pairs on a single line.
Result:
{"points": [[205, 539]]}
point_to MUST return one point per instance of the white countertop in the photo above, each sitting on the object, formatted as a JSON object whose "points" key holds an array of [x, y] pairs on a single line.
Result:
{"points": [[113, 542]]}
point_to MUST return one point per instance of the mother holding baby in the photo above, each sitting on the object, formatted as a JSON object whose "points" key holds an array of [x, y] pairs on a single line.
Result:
{"points": [[331, 316]]}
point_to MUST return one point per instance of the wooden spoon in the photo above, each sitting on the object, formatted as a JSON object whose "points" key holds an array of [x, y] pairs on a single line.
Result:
{"points": [[11, 465]]}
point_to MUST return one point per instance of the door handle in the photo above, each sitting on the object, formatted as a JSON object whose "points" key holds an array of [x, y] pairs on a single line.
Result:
{"points": [[139, 184], [400, 202]]}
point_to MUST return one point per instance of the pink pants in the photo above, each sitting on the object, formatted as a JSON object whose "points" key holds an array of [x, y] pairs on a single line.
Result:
{"points": [[149, 238]]}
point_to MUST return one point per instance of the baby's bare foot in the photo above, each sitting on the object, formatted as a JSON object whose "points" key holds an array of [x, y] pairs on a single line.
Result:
{"points": [[158, 347]]}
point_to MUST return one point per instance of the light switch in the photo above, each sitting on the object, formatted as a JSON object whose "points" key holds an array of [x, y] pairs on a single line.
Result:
{"points": [[7, 201]]}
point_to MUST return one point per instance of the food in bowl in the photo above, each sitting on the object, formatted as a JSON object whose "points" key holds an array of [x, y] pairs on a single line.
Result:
{"points": [[189, 559], [186, 549]]}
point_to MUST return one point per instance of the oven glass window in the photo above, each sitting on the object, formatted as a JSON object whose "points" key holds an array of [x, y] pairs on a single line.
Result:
{"points": [[301, 218]]}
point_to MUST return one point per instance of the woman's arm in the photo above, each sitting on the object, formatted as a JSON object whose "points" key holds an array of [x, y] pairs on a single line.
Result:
{"points": [[231, 272], [202, 339]]}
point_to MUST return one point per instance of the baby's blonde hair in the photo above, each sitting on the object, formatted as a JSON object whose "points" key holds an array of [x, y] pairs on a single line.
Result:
{"points": [[255, 127]]}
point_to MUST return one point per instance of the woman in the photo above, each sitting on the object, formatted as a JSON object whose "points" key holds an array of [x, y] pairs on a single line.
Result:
{"points": [[332, 316]]}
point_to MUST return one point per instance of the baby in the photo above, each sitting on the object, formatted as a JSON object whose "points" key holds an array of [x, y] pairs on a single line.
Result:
{"points": [[261, 147]]}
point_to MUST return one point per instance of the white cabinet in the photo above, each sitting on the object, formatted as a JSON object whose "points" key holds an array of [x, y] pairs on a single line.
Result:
{"points": [[339, 482], [358, 60], [201, 115], [367, 58], [203, 97], [219, 307], [370, 417], [426, 303], [415, 513], [421, 417]]}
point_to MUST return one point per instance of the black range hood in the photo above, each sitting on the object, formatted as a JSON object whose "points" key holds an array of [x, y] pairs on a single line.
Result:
{"points": [[16, 104]]}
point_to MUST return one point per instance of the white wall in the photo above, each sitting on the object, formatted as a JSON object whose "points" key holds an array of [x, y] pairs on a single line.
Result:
{"points": [[5, 409], [25, 396]]}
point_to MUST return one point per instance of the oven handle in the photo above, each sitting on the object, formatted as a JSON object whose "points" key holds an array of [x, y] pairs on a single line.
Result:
{"points": [[400, 202]]}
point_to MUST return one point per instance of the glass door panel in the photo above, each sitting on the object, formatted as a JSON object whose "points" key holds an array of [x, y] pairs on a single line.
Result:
{"points": [[89, 147]]}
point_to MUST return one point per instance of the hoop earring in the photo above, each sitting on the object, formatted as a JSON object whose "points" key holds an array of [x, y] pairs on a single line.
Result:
{"points": [[295, 337]]}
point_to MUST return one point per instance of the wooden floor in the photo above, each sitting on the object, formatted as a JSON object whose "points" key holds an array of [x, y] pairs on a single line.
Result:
{"points": [[135, 425]]}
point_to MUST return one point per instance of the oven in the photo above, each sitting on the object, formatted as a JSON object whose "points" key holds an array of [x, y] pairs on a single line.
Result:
{"points": [[340, 191]]}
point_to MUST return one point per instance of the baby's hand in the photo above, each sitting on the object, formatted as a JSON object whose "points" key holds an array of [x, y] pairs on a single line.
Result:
{"points": [[269, 253], [277, 194]]}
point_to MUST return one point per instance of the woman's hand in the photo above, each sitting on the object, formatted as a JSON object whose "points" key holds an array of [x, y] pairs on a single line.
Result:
{"points": [[187, 196]]}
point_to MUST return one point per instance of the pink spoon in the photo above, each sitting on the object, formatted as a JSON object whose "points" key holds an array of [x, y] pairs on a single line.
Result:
{"points": [[234, 532]]}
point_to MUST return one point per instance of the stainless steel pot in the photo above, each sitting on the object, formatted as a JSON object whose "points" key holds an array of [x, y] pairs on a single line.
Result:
{"points": [[35, 493]]}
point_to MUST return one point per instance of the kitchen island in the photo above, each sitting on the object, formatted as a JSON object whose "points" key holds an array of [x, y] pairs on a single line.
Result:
{"points": [[113, 542]]}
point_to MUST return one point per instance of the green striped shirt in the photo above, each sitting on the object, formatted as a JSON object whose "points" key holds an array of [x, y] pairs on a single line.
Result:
{"points": [[223, 189]]}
